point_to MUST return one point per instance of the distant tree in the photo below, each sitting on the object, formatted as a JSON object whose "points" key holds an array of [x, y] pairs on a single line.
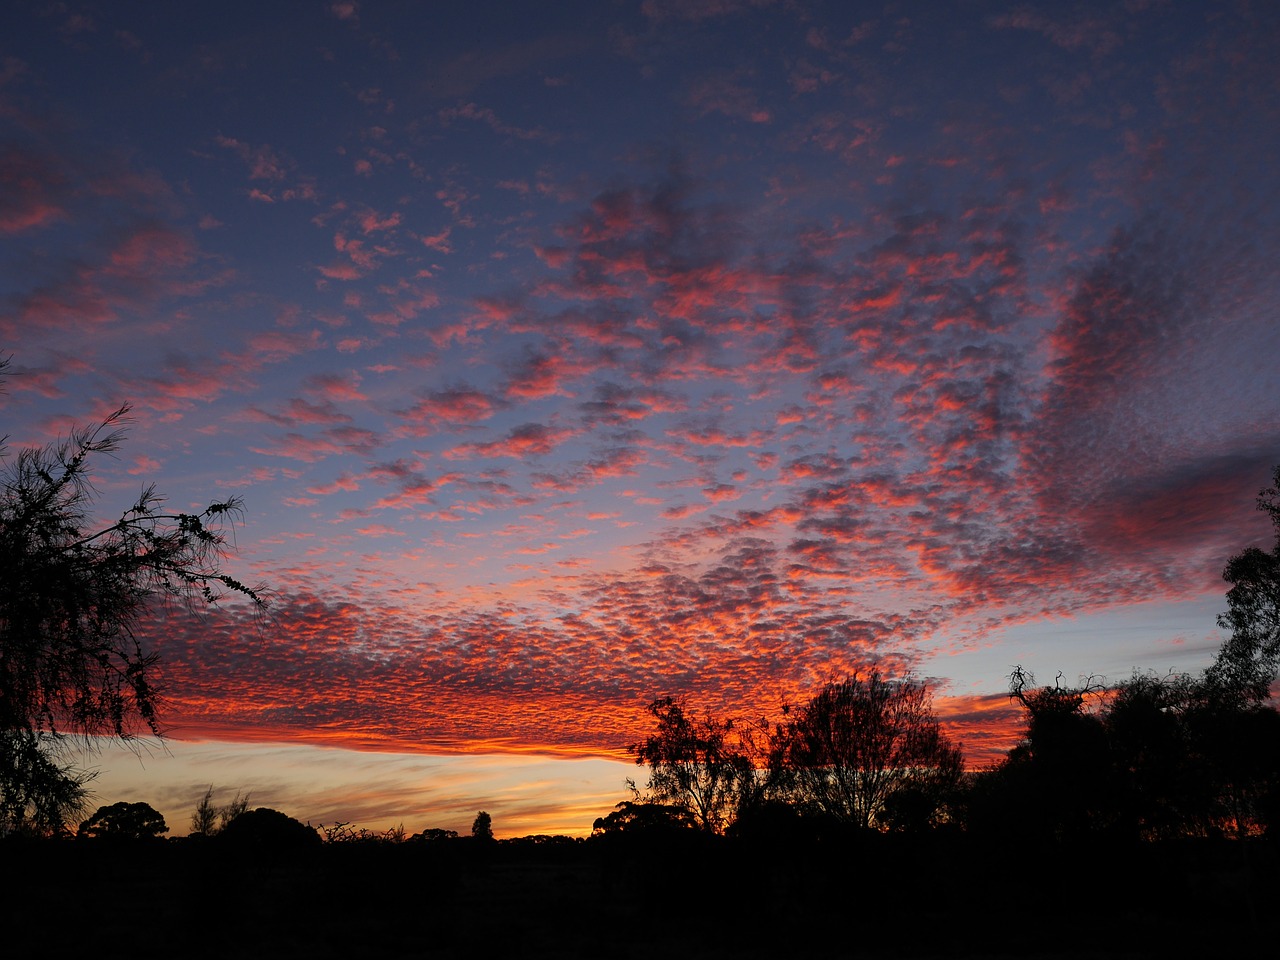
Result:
{"points": [[434, 835], [1148, 758], [1058, 782], [207, 819], [232, 809], [204, 819], [265, 828], [70, 597], [124, 821], [482, 827], [344, 832], [1164, 788], [630, 817], [1246, 665], [695, 764], [861, 741]]}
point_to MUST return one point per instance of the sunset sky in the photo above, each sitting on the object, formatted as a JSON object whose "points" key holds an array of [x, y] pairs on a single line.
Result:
{"points": [[567, 355]]}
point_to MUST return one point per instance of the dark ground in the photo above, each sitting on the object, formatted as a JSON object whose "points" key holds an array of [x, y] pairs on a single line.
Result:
{"points": [[870, 896]]}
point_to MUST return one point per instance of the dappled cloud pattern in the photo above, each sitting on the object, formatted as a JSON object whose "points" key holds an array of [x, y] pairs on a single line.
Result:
{"points": [[538, 418]]}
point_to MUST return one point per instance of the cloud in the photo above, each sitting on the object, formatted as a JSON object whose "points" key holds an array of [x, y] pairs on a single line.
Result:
{"points": [[526, 440], [345, 10], [331, 442], [730, 96], [32, 190], [470, 111], [452, 409], [695, 10]]}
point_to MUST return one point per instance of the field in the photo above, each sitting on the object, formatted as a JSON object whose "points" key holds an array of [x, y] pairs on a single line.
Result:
{"points": [[682, 897]]}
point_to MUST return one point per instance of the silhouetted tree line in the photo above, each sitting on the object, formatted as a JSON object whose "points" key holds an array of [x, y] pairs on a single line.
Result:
{"points": [[866, 752], [1149, 758]]}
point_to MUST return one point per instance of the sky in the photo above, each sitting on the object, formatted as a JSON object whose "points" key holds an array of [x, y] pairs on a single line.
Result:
{"points": [[570, 355]]}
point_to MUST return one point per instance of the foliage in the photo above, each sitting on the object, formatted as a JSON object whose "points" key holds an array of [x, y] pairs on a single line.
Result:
{"points": [[124, 821], [1151, 758], [39, 793], [482, 827], [630, 817], [862, 741], [208, 820], [434, 835], [1246, 665], [70, 598], [265, 828], [1155, 738], [342, 832], [698, 765], [1056, 783]]}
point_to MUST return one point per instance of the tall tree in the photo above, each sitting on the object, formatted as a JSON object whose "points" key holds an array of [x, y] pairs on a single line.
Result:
{"points": [[71, 595], [695, 764], [1246, 665], [864, 740]]}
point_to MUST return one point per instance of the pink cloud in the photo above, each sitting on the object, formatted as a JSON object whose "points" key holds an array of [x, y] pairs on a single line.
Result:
{"points": [[335, 387], [448, 409], [32, 191], [526, 440]]}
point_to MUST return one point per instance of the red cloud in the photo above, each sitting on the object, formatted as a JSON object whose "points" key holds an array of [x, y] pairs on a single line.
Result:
{"points": [[526, 440], [32, 190], [448, 409]]}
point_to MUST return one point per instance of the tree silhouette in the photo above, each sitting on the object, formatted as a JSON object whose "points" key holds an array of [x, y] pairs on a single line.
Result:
{"points": [[865, 739], [630, 817], [268, 829], [1060, 773], [1151, 758], [207, 820], [1164, 787], [70, 597], [695, 765], [39, 792], [1247, 663], [124, 821], [482, 827]]}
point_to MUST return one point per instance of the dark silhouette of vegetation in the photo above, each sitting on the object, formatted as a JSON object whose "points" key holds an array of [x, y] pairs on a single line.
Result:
{"points": [[869, 751], [700, 766], [343, 832], [70, 597], [1055, 783], [124, 821], [865, 751], [482, 828], [268, 829], [1246, 666], [636, 817], [40, 790], [207, 820]]}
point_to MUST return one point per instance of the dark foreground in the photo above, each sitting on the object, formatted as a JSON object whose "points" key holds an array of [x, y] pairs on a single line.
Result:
{"points": [[631, 897]]}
